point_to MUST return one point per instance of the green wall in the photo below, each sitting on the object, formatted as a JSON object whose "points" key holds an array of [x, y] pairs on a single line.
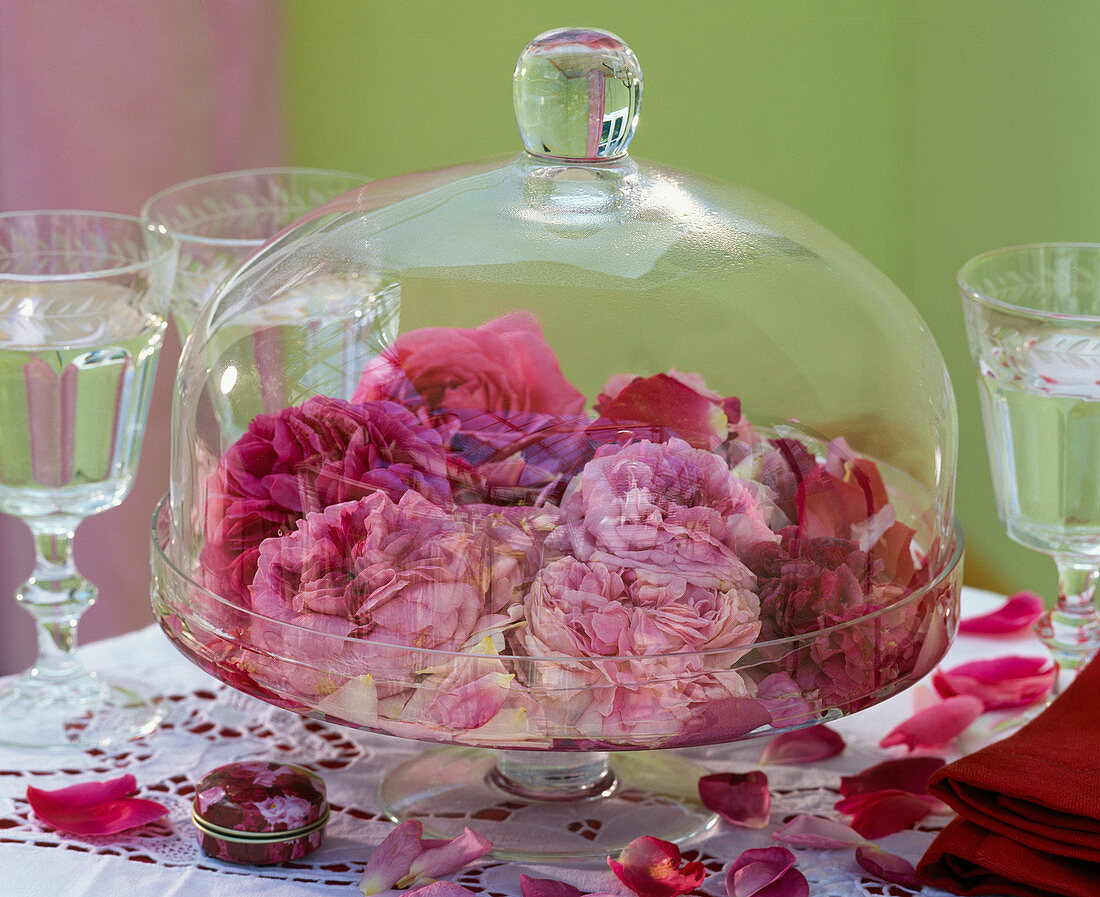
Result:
{"points": [[919, 132]]}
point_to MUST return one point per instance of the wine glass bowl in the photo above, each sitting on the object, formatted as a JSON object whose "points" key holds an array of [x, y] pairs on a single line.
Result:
{"points": [[83, 304], [222, 219], [1033, 320]]}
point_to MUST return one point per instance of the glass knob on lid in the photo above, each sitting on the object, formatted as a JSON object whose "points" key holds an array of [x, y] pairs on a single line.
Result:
{"points": [[577, 92]]}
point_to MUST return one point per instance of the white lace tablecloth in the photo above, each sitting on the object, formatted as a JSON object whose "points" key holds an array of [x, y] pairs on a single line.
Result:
{"points": [[210, 725]]}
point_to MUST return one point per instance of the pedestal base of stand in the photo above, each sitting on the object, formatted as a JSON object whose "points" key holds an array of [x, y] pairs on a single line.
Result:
{"points": [[586, 806], [86, 712]]}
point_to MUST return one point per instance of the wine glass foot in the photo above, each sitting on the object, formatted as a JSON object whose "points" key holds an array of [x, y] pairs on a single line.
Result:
{"points": [[630, 794], [84, 713]]}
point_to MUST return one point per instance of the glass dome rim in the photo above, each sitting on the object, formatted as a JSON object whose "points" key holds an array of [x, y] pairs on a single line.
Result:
{"points": [[946, 569]]}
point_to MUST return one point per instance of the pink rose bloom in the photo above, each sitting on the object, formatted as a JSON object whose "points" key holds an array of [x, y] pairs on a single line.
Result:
{"points": [[304, 458], [660, 634], [503, 365], [666, 508], [391, 575]]}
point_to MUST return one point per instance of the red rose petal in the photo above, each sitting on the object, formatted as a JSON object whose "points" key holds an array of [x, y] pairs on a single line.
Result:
{"points": [[887, 866], [1018, 613], [94, 808], [937, 725], [876, 814], [904, 774], [803, 746], [664, 402], [766, 872], [817, 832], [999, 682], [740, 798], [650, 867]]}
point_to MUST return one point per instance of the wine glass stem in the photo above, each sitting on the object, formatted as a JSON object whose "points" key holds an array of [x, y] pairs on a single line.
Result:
{"points": [[1072, 629], [56, 596]]}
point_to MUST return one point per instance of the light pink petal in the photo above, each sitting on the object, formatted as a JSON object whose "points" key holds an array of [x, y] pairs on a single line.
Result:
{"points": [[94, 808], [650, 867], [803, 746], [442, 889], [392, 859], [1018, 613], [937, 725], [817, 832], [876, 814], [905, 774], [740, 798], [448, 857], [887, 866], [766, 872], [547, 887], [999, 682]]}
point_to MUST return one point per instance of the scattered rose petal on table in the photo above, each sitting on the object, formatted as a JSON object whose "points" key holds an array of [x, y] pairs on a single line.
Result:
{"points": [[803, 746], [818, 833], [551, 887], [650, 867], [904, 773], [887, 866], [937, 725], [94, 808], [1018, 613], [404, 858], [766, 872], [443, 889], [740, 798], [999, 682], [876, 814]]}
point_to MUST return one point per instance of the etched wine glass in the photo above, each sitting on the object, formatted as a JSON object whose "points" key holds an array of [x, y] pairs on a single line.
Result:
{"points": [[1033, 320], [83, 304], [221, 219]]}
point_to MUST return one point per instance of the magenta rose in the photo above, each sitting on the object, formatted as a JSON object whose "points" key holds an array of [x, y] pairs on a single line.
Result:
{"points": [[645, 645], [503, 365], [667, 508], [388, 576], [304, 458]]}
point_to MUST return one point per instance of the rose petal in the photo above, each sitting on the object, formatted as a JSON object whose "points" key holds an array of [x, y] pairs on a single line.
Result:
{"points": [[766, 872], [887, 866], [817, 832], [999, 682], [447, 857], [876, 814], [1019, 612], [392, 859], [663, 402], [650, 867], [937, 725], [905, 774], [547, 887], [803, 746], [94, 808], [740, 798], [443, 889]]}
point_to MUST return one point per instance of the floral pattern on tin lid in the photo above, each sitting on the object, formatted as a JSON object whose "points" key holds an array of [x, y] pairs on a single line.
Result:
{"points": [[260, 796]]}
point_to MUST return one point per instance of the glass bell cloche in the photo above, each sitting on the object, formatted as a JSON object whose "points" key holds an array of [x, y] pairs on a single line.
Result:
{"points": [[562, 455]]}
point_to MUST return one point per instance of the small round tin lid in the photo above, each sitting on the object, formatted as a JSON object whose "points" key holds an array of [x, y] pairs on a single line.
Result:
{"points": [[258, 796]]}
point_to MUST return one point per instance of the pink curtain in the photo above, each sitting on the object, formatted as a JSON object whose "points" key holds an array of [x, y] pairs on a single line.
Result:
{"points": [[101, 105]]}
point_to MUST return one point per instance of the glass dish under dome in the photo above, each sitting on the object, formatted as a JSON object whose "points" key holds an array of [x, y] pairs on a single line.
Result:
{"points": [[563, 454]]}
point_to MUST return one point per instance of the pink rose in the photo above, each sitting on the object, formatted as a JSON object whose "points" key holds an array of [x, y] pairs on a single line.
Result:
{"points": [[666, 508], [633, 632], [503, 365], [388, 576], [302, 459]]}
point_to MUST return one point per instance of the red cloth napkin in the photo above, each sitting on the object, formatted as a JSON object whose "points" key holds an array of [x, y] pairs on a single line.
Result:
{"points": [[1029, 806]]}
